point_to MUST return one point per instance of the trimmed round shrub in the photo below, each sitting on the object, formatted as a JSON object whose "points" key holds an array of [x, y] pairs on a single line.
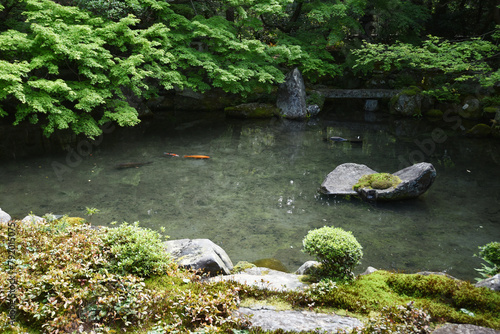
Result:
{"points": [[337, 250]]}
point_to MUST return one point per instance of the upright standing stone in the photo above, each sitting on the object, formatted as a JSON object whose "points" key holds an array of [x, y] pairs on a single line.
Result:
{"points": [[291, 98]]}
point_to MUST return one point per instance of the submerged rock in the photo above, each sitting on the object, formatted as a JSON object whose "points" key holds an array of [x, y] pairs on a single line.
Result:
{"points": [[291, 98], [415, 180], [200, 254], [271, 263]]}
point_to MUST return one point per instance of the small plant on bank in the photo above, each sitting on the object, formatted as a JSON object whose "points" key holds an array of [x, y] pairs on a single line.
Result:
{"points": [[91, 212], [337, 250], [491, 254]]}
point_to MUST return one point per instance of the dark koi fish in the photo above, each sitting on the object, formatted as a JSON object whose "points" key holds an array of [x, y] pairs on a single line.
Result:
{"points": [[340, 139]]}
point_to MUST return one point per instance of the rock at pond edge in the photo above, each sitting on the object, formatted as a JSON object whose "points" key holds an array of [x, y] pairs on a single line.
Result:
{"points": [[202, 254]]}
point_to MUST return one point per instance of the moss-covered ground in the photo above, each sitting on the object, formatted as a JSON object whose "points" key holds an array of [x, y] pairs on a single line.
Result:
{"points": [[66, 282]]}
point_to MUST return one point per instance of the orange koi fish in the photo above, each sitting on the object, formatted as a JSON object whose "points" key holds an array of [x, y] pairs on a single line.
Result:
{"points": [[197, 156], [170, 154]]}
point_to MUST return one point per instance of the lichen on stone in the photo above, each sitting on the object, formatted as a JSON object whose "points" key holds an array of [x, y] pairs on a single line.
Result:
{"points": [[377, 181]]}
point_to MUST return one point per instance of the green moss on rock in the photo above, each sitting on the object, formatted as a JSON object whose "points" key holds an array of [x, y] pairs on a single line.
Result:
{"points": [[242, 266], [479, 130], [491, 110], [434, 113], [377, 181]]}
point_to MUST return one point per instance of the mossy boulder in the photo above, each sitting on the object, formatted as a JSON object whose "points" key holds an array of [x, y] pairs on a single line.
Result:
{"points": [[377, 181], [414, 181], [252, 110], [491, 110], [434, 113], [242, 266], [479, 130], [408, 102]]}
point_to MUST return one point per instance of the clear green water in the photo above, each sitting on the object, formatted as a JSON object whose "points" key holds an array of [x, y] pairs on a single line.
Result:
{"points": [[257, 197]]}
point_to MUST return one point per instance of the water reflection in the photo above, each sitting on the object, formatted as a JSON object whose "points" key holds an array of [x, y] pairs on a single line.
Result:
{"points": [[257, 195]]}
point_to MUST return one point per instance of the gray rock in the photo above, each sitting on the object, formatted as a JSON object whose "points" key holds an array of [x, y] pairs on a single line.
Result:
{"points": [[415, 179], [291, 97], [342, 178], [4, 216], [407, 105], [264, 278], [32, 219], [305, 269], [368, 271], [200, 254], [492, 283], [371, 105], [313, 110], [464, 329], [298, 321]]}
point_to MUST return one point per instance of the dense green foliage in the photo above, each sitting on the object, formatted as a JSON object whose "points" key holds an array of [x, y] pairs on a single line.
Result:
{"points": [[62, 281], [490, 253], [135, 250], [337, 250], [77, 64]]}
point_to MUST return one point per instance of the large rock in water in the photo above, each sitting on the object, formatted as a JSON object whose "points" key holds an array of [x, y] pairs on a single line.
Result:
{"points": [[200, 254], [415, 180], [291, 98]]}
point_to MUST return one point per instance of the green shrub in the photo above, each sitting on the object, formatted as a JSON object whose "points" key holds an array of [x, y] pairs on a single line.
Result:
{"points": [[491, 254], [62, 283], [337, 250], [136, 250]]}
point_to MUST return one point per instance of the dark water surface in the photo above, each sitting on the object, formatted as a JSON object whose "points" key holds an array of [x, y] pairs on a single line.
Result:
{"points": [[257, 197]]}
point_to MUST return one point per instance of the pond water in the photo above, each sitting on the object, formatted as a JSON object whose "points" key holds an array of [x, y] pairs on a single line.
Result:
{"points": [[257, 197]]}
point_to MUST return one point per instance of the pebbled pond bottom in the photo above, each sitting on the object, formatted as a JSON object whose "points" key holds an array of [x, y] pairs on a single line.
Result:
{"points": [[257, 196]]}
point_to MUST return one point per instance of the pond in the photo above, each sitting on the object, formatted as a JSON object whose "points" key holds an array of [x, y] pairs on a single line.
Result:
{"points": [[257, 196]]}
